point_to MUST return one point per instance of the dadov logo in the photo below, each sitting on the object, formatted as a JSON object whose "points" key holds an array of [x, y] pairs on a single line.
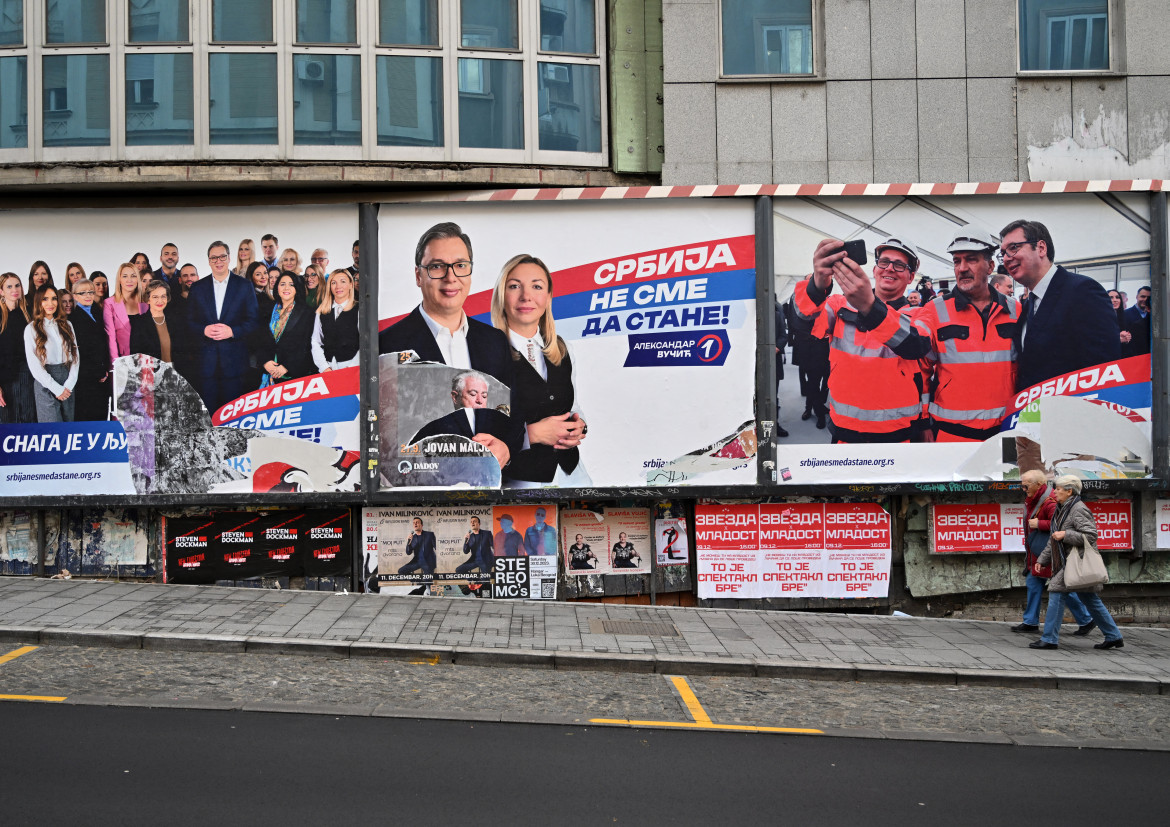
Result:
{"points": [[406, 466]]}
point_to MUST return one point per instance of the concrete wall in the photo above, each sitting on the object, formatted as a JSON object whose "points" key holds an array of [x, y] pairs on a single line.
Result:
{"points": [[915, 90]]}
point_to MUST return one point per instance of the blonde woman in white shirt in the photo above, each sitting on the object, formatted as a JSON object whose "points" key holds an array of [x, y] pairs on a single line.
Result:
{"points": [[335, 331], [51, 350]]}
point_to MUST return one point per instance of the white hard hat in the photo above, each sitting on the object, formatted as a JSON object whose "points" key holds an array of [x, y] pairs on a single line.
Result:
{"points": [[973, 239], [902, 244]]}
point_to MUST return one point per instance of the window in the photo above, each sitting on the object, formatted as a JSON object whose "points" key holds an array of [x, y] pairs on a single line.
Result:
{"points": [[491, 103], [327, 100], [159, 21], [767, 37], [410, 101], [326, 21], [570, 107], [160, 100], [567, 26], [13, 102], [1064, 35], [76, 100], [408, 22], [489, 24], [11, 24], [241, 21], [243, 99], [75, 21]]}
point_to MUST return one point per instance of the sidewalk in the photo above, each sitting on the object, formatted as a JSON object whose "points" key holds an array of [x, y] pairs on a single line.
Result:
{"points": [[552, 635]]}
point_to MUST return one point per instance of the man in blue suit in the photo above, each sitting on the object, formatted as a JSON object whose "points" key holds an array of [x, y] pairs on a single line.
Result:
{"points": [[420, 545], [1137, 322], [1067, 322], [221, 311], [438, 330], [477, 544]]}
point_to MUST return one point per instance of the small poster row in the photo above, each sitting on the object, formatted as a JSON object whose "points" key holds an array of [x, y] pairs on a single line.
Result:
{"points": [[981, 528], [793, 550]]}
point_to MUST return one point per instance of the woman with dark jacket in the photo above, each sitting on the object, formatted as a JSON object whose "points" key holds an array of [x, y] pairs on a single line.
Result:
{"points": [[1119, 309], [17, 403], [284, 338], [335, 334], [1072, 526], [156, 332], [92, 394]]}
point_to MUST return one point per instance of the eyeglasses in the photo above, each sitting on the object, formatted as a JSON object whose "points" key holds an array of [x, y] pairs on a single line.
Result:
{"points": [[1010, 250], [217, 258], [318, 258], [890, 264], [84, 292], [438, 269]]}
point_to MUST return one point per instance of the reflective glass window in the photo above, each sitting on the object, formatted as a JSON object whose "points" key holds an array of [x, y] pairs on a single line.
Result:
{"points": [[570, 107], [410, 101], [13, 102], [327, 100], [767, 37], [243, 103], [75, 21], [1064, 35], [160, 103], [159, 21], [326, 21], [491, 103], [489, 24], [568, 26], [11, 22], [75, 100], [241, 21], [408, 22]]}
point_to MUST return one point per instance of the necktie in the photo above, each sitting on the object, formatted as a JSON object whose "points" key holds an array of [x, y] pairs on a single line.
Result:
{"points": [[532, 352]]}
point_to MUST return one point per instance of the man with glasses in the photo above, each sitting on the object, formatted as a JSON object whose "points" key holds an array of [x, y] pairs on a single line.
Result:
{"points": [[968, 340], [222, 314], [875, 395], [1040, 505], [320, 260], [438, 330], [1067, 322]]}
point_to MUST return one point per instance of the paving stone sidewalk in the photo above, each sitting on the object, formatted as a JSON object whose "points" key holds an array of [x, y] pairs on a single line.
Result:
{"points": [[573, 635]]}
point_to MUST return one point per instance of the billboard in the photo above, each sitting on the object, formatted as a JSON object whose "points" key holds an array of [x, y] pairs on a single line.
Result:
{"points": [[975, 362], [630, 362], [979, 528], [750, 551], [228, 388]]}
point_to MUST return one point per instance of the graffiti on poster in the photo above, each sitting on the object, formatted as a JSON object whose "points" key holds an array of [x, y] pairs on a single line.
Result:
{"points": [[510, 361], [837, 550], [671, 543], [607, 541], [238, 545], [420, 550], [255, 392], [986, 336]]}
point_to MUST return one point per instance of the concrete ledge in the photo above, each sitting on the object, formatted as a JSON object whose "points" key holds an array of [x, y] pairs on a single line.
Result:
{"points": [[153, 702], [1099, 683], [91, 637], [543, 719], [599, 662], [1010, 680], [342, 710], [282, 646], [882, 673], [20, 634], [729, 667], [401, 651], [1044, 740], [389, 711], [174, 642], [467, 656], [947, 737], [804, 670]]}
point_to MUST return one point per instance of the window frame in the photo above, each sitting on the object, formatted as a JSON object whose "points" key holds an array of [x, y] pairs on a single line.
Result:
{"points": [[816, 43], [1115, 33]]}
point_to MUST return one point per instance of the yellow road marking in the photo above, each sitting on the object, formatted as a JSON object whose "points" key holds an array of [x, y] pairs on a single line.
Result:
{"points": [[431, 661], [15, 653], [49, 698], [688, 698]]}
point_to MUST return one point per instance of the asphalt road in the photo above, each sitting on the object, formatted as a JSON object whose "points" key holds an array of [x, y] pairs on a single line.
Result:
{"points": [[123, 766]]}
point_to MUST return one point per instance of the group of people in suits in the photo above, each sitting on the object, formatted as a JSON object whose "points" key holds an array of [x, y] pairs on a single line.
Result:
{"points": [[520, 349], [224, 333]]}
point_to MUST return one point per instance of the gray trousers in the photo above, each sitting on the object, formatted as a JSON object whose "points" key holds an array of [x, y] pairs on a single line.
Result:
{"points": [[49, 407]]}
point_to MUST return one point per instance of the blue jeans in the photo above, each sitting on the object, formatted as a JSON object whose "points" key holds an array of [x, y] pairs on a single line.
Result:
{"points": [[1092, 602], [1035, 586]]}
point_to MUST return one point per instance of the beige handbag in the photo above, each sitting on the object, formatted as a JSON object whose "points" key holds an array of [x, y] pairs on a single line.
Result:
{"points": [[1084, 568]]}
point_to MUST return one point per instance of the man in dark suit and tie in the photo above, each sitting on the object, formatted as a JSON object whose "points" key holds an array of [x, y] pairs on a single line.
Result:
{"points": [[1067, 323], [478, 545], [1137, 323], [438, 330], [221, 312], [420, 545], [472, 418]]}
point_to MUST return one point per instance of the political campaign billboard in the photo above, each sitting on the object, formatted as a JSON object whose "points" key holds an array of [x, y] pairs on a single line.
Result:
{"points": [[979, 528], [567, 344], [983, 336], [157, 352]]}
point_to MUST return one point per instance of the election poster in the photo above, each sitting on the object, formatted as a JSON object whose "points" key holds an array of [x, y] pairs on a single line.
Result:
{"points": [[1114, 519], [671, 543], [607, 541], [980, 528], [567, 344], [1162, 516], [832, 550], [238, 545], [982, 336], [425, 550], [173, 388]]}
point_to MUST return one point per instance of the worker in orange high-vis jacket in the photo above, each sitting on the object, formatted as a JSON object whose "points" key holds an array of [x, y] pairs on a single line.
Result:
{"points": [[875, 392], [971, 347]]}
